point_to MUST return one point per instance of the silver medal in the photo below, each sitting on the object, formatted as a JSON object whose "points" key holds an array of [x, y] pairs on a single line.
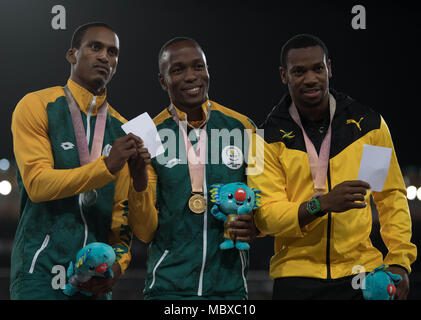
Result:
{"points": [[89, 198]]}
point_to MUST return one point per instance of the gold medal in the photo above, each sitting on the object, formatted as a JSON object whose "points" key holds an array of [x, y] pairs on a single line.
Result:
{"points": [[197, 203]]}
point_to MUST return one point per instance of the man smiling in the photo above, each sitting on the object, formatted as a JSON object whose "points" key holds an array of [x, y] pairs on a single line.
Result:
{"points": [[184, 260], [73, 189], [313, 206]]}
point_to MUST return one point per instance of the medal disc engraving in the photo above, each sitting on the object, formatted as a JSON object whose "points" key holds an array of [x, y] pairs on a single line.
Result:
{"points": [[197, 203]]}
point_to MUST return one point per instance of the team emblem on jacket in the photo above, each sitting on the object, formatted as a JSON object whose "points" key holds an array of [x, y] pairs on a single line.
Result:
{"points": [[67, 145], [287, 135], [357, 123], [232, 157]]}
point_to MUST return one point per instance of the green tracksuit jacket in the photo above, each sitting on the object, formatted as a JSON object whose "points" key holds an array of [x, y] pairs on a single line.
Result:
{"points": [[53, 226], [184, 259]]}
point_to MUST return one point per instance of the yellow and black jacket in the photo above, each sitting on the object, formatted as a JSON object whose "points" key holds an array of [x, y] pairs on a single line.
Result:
{"points": [[334, 245], [53, 225]]}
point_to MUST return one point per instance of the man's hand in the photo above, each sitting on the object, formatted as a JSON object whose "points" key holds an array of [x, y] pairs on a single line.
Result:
{"points": [[123, 149], [343, 197], [402, 289], [243, 228], [101, 286], [138, 165]]}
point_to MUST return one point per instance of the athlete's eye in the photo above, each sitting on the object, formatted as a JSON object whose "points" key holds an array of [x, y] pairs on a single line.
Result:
{"points": [[95, 46]]}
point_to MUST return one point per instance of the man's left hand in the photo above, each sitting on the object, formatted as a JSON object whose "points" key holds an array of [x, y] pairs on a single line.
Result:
{"points": [[243, 228], [402, 289], [101, 286]]}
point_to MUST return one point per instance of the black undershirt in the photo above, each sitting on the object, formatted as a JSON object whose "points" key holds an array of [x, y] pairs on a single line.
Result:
{"points": [[316, 130]]}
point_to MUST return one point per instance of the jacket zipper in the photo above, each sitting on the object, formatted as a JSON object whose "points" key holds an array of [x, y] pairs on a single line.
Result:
{"points": [[243, 258], [88, 120], [328, 233], [34, 259], [88, 137], [85, 224], [205, 239], [156, 267]]}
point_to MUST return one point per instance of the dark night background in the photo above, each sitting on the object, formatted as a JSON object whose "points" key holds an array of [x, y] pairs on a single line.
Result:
{"points": [[378, 66]]}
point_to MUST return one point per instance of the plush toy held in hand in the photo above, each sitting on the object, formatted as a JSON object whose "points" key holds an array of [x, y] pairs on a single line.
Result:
{"points": [[93, 260], [380, 284], [231, 200]]}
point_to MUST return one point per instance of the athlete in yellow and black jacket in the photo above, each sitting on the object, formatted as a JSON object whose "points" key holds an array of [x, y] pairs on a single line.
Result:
{"points": [[317, 249], [333, 245]]}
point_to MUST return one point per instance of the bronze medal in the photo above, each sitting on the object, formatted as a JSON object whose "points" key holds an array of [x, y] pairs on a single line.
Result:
{"points": [[197, 203]]}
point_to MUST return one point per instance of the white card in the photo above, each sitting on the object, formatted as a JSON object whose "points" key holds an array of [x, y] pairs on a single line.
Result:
{"points": [[374, 166], [144, 127]]}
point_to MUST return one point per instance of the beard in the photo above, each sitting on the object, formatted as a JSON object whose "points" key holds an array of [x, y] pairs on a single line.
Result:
{"points": [[98, 84]]}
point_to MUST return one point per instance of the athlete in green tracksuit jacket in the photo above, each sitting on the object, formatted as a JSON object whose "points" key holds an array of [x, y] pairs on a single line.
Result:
{"points": [[53, 223], [184, 260]]}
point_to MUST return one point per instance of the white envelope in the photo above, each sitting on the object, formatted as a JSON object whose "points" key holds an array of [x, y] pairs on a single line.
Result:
{"points": [[374, 166], [144, 127]]}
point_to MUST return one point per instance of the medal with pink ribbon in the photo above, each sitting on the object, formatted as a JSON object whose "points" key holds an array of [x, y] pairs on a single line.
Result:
{"points": [[86, 156], [318, 162], [195, 160]]}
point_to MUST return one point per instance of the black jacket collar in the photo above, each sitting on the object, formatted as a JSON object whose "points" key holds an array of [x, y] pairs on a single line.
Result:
{"points": [[281, 109]]}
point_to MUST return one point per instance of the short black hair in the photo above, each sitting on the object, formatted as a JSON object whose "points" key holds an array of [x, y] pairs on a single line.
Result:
{"points": [[301, 41], [80, 32], [174, 41]]}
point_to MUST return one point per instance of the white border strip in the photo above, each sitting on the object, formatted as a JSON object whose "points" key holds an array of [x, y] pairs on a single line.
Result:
{"points": [[156, 267], [43, 246]]}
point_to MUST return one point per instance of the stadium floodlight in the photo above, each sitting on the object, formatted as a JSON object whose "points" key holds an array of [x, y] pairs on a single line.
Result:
{"points": [[411, 192], [5, 187], [419, 193], [4, 164]]}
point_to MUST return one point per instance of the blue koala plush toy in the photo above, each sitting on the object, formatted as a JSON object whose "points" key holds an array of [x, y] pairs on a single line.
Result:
{"points": [[231, 200], [93, 260], [380, 284]]}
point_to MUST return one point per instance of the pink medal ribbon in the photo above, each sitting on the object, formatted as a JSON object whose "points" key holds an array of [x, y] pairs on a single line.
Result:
{"points": [[85, 156], [318, 162], [87, 198], [195, 160]]}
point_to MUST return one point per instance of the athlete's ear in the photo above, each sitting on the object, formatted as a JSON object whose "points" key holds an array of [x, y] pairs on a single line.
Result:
{"points": [[71, 55], [329, 68], [283, 73], [162, 81]]}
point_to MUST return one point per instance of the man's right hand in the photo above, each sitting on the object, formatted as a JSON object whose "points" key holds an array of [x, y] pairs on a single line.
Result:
{"points": [[344, 197], [123, 148]]}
